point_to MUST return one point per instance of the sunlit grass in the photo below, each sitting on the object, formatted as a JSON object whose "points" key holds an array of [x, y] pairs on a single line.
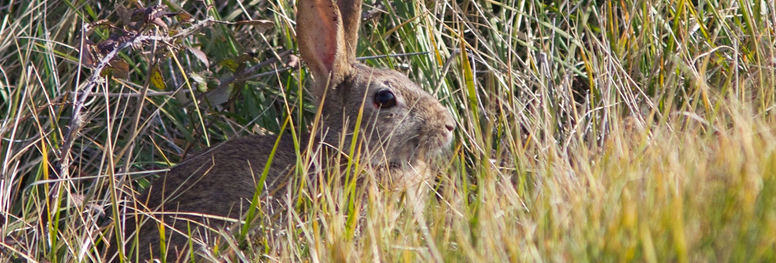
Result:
{"points": [[586, 132]]}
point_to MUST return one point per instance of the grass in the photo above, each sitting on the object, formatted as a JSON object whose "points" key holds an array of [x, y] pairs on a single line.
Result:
{"points": [[587, 131]]}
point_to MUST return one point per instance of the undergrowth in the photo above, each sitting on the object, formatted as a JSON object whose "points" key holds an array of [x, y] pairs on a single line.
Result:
{"points": [[586, 131]]}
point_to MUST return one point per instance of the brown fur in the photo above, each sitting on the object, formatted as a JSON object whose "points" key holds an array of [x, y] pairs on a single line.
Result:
{"points": [[396, 141]]}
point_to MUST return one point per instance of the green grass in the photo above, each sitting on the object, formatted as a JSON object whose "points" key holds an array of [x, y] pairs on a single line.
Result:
{"points": [[587, 131]]}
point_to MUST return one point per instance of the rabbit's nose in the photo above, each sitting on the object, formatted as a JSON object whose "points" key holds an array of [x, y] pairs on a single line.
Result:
{"points": [[448, 121], [450, 126]]}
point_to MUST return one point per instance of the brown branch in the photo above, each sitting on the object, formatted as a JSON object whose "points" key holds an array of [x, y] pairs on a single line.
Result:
{"points": [[77, 121]]}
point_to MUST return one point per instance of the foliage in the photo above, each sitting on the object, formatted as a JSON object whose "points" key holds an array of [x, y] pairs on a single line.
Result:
{"points": [[587, 131]]}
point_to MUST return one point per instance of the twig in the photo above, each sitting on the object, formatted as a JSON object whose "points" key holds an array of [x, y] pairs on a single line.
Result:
{"points": [[77, 121], [138, 94], [394, 55]]}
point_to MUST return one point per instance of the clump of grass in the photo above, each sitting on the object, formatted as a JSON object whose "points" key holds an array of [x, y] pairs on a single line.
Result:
{"points": [[633, 131]]}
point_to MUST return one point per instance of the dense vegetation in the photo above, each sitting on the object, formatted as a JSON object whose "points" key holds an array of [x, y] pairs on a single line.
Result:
{"points": [[588, 131]]}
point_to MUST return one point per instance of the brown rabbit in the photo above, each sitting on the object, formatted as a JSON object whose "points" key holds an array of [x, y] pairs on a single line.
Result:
{"points": [[401, 125]]}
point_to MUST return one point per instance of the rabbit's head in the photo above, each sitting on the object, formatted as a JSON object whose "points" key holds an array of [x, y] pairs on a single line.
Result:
{"points": [[400, 122]]}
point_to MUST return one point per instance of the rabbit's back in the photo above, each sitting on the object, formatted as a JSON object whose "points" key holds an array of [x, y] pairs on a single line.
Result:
{"points": [[220, 181]]}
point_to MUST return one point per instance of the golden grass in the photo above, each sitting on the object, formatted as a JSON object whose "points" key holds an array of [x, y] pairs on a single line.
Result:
{"points": [[587, 132]]}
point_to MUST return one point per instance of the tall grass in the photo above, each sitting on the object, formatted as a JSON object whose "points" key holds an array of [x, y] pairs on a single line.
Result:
{"points": [[586, 131]]}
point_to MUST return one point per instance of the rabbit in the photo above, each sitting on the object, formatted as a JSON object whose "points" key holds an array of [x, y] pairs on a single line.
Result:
{"points": [[401, 127]]}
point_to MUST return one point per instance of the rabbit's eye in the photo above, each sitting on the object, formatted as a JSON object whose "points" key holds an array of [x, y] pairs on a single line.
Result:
{"points": [[385, 99]]}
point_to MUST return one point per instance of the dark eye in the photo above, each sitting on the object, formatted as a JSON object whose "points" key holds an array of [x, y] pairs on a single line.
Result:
{"points": [[385, 99]]}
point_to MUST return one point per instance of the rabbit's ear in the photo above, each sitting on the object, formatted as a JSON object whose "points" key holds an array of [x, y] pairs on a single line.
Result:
{"points": [[321, 40], [351, 18]]}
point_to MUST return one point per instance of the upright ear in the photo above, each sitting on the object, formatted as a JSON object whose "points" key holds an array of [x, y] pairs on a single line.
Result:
{"points": [[321, 38], [351, 18]]}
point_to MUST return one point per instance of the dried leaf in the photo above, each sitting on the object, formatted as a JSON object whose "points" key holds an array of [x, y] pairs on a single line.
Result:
{"points": [[261, 25], [86, 57], [159, 22], [200, 55], [125, 15], [156, 78], [119, 68]]}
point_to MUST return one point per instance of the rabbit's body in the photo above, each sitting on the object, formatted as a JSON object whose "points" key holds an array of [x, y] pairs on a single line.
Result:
{"points": [[219, 182], [400, 125]]}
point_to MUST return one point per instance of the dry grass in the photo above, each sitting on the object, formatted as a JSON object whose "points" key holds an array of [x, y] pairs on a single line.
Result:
{"points": [[587, 132]]}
